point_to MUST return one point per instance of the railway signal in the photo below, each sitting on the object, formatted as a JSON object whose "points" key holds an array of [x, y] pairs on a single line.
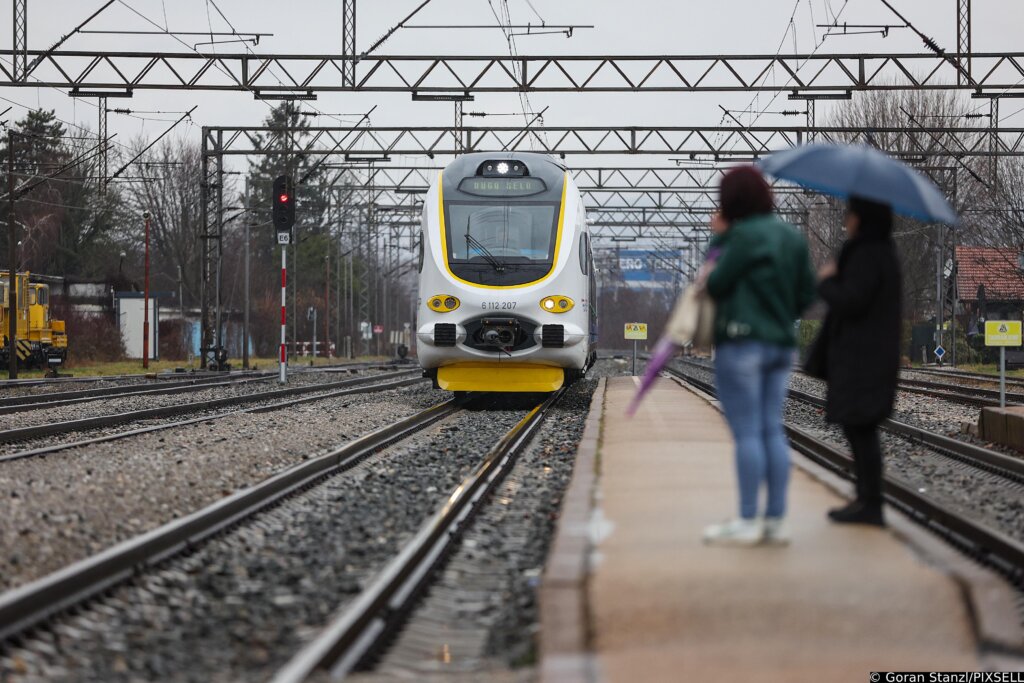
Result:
{"points": [[284, 208], [284, 219]]}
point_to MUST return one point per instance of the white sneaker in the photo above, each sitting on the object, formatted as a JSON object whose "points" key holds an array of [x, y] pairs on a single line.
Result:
{"points": [[776, 531], [741, 532]]}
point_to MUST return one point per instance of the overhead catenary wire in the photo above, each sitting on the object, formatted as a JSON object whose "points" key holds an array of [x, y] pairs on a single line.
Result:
{"points": [[145, 149]]}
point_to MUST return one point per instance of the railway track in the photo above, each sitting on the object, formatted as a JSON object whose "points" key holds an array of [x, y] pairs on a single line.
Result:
{"points": [[1006, 466], [30, 611], [351, 387], [27, 606], [358, 631], [103, 379], [101, 421], [978, 540], [16, 404], [969, 395], [973, 376], [158, 385]]}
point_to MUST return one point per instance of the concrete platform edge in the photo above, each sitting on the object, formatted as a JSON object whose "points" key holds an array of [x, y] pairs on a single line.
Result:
{"points": [[564, 624], [989, 598]]}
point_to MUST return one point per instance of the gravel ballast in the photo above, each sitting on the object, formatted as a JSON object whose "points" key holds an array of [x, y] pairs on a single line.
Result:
{"points": [[243, 603], [68, 505]]}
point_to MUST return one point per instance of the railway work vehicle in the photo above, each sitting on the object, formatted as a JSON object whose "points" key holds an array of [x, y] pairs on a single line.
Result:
{"points": [[506, 286], [42, 342]]}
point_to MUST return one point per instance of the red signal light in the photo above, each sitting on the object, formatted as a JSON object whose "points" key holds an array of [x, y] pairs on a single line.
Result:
{"points": [[283, 198]]}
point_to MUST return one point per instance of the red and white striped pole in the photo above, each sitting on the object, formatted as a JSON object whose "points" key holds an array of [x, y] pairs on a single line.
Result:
{"points": [[284, 282]]}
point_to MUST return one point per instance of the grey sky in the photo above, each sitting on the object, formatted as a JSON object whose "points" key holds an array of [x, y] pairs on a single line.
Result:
{"points": [[635, 27]]}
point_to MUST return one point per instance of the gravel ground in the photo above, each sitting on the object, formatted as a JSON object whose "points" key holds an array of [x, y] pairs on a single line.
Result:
{"points": [[62, 507], [243, 603], [110, 406], [978, 494]]}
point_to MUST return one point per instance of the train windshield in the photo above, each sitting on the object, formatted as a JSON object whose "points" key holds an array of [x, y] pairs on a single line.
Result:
{"points": [[504, 243]]}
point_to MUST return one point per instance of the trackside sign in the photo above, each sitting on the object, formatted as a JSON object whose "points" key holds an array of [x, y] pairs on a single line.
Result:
{"points": [[636, 331], [1002, 333]]}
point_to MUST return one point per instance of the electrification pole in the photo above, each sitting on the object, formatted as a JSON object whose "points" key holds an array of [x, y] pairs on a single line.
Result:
{"points": [[145, 301], [12, 265], [327, 305], [245, 312]]}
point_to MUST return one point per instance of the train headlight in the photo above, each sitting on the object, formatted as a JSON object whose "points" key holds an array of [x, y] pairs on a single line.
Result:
{"points": [[557, 304], [443, 303], [502, 168]]}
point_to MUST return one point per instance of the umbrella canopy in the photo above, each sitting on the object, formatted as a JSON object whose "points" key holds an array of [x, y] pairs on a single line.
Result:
{"points": [[859, 170]]}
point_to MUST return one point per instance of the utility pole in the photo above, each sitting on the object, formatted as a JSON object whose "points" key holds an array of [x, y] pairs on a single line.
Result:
{"points": [[327, 304], [939, 298], [12, 260], [245, 311], [181, 308], [337, 296], [145, 301]]}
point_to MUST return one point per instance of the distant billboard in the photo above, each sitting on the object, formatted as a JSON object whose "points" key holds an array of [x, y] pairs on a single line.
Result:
{"points": [[647, 268]]}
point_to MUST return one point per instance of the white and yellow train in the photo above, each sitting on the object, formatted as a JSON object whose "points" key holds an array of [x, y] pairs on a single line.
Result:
{"points": [[507, 286]]}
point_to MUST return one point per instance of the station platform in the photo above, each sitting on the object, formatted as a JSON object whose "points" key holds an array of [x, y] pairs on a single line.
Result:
{"points": [[631, 593]]}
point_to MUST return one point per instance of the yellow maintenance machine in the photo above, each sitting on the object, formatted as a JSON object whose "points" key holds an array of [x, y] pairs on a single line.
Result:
{"points": [[41, 341]]}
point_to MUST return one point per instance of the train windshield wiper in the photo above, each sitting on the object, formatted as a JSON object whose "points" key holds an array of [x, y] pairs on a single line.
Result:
{"points": [[478, 246]]}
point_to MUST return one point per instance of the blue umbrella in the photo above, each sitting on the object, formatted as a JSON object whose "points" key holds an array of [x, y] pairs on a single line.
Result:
{"points": [[858, 170]]}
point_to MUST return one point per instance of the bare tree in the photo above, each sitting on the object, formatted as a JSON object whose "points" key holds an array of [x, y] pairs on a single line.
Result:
{"points": [[171, 194]]}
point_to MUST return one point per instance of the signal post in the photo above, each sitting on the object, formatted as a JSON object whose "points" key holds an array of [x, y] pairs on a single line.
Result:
{"points": [[284, 219]]}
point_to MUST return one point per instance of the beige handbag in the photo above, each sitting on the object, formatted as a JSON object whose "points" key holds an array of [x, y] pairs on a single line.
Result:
{"points": [[693, 319]]}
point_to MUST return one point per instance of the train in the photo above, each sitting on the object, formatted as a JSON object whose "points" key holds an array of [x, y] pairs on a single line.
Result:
{"points": [[42, 341], [507, 288]]}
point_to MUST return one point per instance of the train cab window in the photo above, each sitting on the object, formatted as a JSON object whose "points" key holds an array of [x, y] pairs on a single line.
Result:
{"points": [[505, 243], [32, 297], [584, 250], [43, 295]]}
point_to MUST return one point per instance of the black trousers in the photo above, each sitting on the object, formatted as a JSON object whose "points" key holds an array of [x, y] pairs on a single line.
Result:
{"points": [[867, 459]]}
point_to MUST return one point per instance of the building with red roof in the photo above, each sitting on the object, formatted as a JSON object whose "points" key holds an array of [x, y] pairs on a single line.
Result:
{"points": [[989, 283]]}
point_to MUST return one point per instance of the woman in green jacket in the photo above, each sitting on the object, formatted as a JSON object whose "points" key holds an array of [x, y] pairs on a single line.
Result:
{"points": [[761, 281]]}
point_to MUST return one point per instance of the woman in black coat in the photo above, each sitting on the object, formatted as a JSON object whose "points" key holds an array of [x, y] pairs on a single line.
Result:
{"points": [[861, 346]]}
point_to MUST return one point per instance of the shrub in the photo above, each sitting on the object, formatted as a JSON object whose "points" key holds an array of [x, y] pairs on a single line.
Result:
{"points": [[91, 336]]}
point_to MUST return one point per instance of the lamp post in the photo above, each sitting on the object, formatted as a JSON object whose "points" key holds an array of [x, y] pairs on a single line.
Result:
{"points": [[145, 302]]}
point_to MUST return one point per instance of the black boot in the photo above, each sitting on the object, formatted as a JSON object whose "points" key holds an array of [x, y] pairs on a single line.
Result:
{"points": [[859, 512]]}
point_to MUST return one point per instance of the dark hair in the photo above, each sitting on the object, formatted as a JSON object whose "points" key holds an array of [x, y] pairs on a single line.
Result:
{"points": [[743, 192], [875, 218]]}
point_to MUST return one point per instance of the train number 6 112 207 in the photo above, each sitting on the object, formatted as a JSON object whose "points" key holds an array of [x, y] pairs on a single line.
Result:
{"points": [[498, 305]]}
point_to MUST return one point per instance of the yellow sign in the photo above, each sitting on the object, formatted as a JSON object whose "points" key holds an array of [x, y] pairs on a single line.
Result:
{"points": [[1002, 333], [639, 331]]}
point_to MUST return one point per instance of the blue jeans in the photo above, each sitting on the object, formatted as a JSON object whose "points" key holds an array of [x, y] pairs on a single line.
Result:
{"points": [[752, 379]]}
